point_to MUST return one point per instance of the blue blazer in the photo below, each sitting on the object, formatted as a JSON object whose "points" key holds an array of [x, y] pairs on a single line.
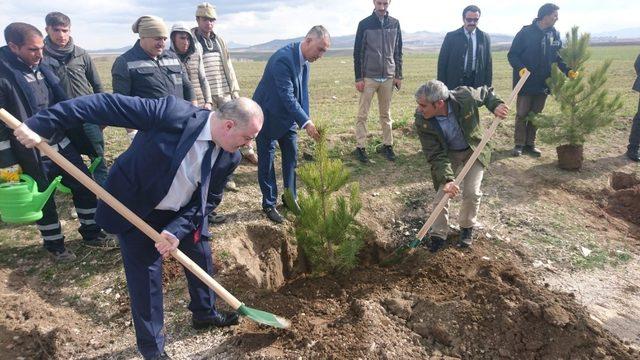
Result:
{"points": [[282, 93], [142, 175]]}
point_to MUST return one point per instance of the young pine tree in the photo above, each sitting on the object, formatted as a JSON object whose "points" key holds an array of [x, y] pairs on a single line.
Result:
{"points": [[326, 228], [585, 104]]}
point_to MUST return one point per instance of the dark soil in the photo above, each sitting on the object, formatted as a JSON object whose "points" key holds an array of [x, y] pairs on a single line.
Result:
{"points": [[454, 303], [624, 201]]}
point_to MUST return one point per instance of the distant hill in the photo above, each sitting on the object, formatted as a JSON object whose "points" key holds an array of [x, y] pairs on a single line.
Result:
{"points": [[117, 51], [630, 33], [416, 40]]}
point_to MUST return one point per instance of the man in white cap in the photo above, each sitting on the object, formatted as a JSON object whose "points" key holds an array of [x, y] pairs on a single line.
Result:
{"points": [[149, 71]]}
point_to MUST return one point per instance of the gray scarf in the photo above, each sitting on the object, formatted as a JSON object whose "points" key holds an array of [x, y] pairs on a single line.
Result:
{"points": [[57, 52]]}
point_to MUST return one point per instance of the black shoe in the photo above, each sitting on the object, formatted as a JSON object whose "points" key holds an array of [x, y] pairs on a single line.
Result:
{"points": [[633, 155], [215, 218], [102, 241], [435, 243], [517, 150], [532, 150], [220, 319], [162, 356], [387, 150], [295, 207], [361, 155], [273, 215], [466, 237]]}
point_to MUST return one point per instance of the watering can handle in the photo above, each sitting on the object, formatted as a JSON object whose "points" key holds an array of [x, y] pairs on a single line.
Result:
{"points": [[101, 193]]}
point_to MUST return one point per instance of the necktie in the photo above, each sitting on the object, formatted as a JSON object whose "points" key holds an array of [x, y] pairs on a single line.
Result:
{"points": [[205, 171], [468, 68]]}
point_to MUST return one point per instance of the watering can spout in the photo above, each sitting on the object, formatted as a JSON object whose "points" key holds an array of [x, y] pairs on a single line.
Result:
{"points": [[40, 198]]}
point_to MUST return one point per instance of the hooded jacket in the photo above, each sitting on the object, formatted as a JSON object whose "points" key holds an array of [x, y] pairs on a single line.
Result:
{"points": [[194, 66]]}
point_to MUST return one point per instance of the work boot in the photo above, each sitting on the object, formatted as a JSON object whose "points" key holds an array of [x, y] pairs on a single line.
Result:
{"points": [[435, 243], [517, 150], [387, 150], [361, 155], [62, 256], [220, 319], [532, 150], [466, 237], [273, 215], [102, 241], [633, 155]]}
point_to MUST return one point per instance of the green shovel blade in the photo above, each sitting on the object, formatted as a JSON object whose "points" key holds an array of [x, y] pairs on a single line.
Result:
{"points": [[264, 317], [398, 254]]}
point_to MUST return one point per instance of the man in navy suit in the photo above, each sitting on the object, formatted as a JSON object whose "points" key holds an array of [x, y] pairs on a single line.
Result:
{"points": [[284, 97], [181, 156]]}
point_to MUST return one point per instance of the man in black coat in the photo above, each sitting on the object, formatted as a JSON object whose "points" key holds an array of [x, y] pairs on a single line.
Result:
{"points": [[535, 48], [465, 56], [634, 137]]}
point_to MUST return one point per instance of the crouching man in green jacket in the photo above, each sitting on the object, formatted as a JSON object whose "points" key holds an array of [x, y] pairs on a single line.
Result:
{"points": [[448, 124]]}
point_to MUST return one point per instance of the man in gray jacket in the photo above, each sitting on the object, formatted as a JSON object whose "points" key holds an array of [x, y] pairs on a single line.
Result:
{"points": [[377, 61], [78, 76]]}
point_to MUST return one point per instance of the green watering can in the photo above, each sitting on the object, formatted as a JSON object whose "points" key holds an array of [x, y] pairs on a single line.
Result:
{"points": [[21, 202]]}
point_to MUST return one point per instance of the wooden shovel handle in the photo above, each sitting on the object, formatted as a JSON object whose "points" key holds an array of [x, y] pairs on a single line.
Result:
{"points": [[101, 193], [472, 159]]}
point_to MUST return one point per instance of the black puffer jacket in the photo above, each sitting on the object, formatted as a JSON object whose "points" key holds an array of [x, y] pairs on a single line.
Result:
{"points": [[535, 49], [377, 52]]}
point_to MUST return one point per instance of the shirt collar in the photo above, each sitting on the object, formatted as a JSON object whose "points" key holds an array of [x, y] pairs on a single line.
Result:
{"points": [[302, 60], [205, 134], [449, 111]]}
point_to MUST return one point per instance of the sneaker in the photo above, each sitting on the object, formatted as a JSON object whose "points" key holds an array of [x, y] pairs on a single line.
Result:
{"points": [[532, 150], [65, 255], [435, 243], [517, 150], [102, 241], [231, 186], [633, 155], [361, 155], [387, 150], [215, 218], [466, 237]]}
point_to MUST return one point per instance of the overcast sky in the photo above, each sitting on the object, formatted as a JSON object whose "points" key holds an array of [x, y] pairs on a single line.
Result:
{"points": [[99, 24]]}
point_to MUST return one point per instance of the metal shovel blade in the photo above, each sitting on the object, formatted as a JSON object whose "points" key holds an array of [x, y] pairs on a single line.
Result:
{"points": [[264, 317]]}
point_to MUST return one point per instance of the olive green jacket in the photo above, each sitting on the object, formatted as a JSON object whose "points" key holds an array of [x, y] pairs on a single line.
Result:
{"points": [[465, 102]]}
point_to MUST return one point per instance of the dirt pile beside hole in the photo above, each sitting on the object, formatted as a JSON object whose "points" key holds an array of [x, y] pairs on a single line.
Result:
{"points": [[453, 303], [624, 201]]}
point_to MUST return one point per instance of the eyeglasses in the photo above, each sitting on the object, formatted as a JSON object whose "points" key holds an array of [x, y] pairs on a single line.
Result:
{"points": [[472, 20]]}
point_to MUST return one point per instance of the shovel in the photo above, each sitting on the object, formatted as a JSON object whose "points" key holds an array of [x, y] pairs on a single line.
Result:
{"points": [[396, 255], [259, 316]]}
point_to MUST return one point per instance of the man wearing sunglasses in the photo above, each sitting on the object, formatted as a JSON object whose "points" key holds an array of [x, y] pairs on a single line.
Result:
{"points": [[465, 56]]}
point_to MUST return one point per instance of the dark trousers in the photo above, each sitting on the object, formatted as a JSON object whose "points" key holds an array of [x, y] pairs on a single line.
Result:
{"points": [[469, 79], [43, 171], [266, 166], [94, 134], [525, 131], [143, 270], [634, 136]]}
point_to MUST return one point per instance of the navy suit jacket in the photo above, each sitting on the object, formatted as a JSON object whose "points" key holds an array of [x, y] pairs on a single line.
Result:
{"points": [[142, 175], [282, 93]]}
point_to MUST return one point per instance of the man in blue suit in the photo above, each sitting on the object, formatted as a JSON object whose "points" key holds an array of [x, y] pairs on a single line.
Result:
{"points": [[172, 176], [284, 97]]}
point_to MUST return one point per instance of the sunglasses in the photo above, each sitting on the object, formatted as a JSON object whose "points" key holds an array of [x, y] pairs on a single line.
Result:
{"points": [[472, 20]]}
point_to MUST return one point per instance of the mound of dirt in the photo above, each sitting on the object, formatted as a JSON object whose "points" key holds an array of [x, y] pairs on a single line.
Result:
{"points": [[624, 201], [454, 303]]}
